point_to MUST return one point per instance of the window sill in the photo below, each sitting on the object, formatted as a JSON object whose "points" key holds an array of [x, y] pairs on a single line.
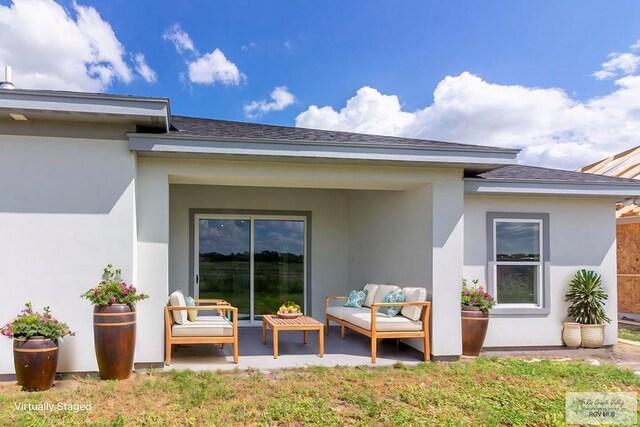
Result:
{"points": [[515, 310]]}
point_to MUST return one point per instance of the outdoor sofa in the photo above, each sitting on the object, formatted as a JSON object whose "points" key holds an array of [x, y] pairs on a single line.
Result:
{"points": [[411, 322], [210, 329]]}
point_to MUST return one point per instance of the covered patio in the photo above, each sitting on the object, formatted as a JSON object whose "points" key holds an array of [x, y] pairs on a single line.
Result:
{"points": [[373, 213]]}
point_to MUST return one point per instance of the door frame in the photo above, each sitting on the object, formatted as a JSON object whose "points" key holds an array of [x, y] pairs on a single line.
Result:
{"points": [[251, 214]]}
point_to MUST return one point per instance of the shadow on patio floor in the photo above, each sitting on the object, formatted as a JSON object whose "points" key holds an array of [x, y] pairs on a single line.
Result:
{"points": [[354, 350]]}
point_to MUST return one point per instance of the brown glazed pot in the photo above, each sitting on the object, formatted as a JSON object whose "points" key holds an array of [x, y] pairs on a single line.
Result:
{"points": [[474, 329], [114, 336], [36, 361]]}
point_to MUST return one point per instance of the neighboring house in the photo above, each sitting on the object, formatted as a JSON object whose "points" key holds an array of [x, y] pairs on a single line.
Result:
{"points": [[625, 165], [88, 179]]}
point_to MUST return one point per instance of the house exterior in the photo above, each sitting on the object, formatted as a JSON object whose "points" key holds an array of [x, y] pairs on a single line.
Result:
{"points": [[625, 165], [91, 179]]}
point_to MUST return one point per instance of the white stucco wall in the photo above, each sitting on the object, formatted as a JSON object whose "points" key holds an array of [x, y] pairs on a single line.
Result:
{"points": [[582, 235], [390, 238], [70, 204], [329, 229], [66, 210], [414, 238]]}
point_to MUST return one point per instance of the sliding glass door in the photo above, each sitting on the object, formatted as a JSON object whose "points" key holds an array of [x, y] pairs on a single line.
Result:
{"points": [[223, 262], [278, 261], [254, 262]]}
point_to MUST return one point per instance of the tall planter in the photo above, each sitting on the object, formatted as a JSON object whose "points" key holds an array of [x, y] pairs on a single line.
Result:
{"points": [[592, 336], [114, 334], [474, 330], [571, 334], [36, 361]]}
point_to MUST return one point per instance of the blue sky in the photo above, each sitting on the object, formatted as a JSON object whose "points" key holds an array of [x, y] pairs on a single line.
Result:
{"points": [[521, 74]]}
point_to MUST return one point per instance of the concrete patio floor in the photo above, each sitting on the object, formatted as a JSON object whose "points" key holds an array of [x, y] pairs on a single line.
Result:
{"points": [[354, 350]]}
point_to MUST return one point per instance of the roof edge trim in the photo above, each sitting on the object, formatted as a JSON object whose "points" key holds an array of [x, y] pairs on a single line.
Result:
{"points": [[320, 143]]}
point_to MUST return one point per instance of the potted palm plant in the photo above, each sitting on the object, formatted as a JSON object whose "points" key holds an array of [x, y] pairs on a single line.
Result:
{"points": [[475, 307], [114, 324], [36, 340], [587, 297]]}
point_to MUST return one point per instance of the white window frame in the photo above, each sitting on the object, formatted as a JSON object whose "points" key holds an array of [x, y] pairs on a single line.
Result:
{"points": [[543, 306], [251, 218], [539, 264]]}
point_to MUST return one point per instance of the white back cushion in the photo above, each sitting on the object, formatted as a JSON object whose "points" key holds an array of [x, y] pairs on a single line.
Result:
{"points": [[413, 295], [384, 290], [371, 293], [176, 299]]}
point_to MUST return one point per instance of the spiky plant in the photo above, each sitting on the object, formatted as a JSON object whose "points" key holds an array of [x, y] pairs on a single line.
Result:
{"points": [[587, 297]]}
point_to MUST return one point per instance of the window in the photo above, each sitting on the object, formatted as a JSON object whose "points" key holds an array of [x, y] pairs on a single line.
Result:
{"points": [[517, 251]]}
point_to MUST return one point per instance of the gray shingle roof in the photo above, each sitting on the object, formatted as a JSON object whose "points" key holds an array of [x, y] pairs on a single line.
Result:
{"points": [[538, 174], [197, 127]]}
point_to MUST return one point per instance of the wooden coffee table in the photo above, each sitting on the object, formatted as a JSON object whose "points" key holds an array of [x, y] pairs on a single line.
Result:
{"points": [[301, 323]]}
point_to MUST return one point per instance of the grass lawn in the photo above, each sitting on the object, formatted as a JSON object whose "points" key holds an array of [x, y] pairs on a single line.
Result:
{"points": [[483, 392], [627, 334]]}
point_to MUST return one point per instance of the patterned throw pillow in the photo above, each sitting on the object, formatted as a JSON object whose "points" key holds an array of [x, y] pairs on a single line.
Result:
{"points": [[192, 314], [391, 311], [356, 299]]}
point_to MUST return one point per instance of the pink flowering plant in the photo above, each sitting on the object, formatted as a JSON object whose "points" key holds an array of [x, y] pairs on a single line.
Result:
{"points": [[475, 296], [30, 324], [113, 290]]}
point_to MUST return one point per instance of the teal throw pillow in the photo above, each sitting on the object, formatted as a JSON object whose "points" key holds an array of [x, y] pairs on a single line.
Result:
{"points": [[191, 314], [391, 311], [356, 299]]}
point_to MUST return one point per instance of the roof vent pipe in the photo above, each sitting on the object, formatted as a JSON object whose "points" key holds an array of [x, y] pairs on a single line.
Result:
{"points": [[7, 84]]}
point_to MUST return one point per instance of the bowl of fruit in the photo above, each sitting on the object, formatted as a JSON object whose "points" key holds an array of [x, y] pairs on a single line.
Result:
{"points": [[289, 310]]}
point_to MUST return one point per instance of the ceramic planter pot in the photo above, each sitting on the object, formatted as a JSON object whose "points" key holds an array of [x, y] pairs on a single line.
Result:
{"points": [[114, 336], [571, 334], [474, 330], [36, 362], [592, 336]]}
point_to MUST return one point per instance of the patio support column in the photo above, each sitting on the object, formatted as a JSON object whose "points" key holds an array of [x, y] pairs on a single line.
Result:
{"points": [[152, 278], [448, 261]]}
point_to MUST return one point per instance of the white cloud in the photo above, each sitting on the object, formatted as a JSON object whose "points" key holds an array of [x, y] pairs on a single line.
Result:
{"points": [[367, 112], [288, 44], [214, 67], [205, 69], [180, 39], [52, 48], [553, 129], [147, 73], [281, 97], [619, 64], [248, 46], [636, 45]]}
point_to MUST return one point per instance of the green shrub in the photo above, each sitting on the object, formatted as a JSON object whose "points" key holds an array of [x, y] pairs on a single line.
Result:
{"points": [[587, 297]]}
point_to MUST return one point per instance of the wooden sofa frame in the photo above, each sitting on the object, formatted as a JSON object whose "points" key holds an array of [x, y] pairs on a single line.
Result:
{"points": [[171, 341], [378, 335]]}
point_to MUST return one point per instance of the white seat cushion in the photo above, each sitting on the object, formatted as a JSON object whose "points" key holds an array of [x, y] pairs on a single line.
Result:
{"points": [[371, 293], [340, 312], [176, 299], [383, 290], [383, 323], [413, 295], [205, 326]]}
